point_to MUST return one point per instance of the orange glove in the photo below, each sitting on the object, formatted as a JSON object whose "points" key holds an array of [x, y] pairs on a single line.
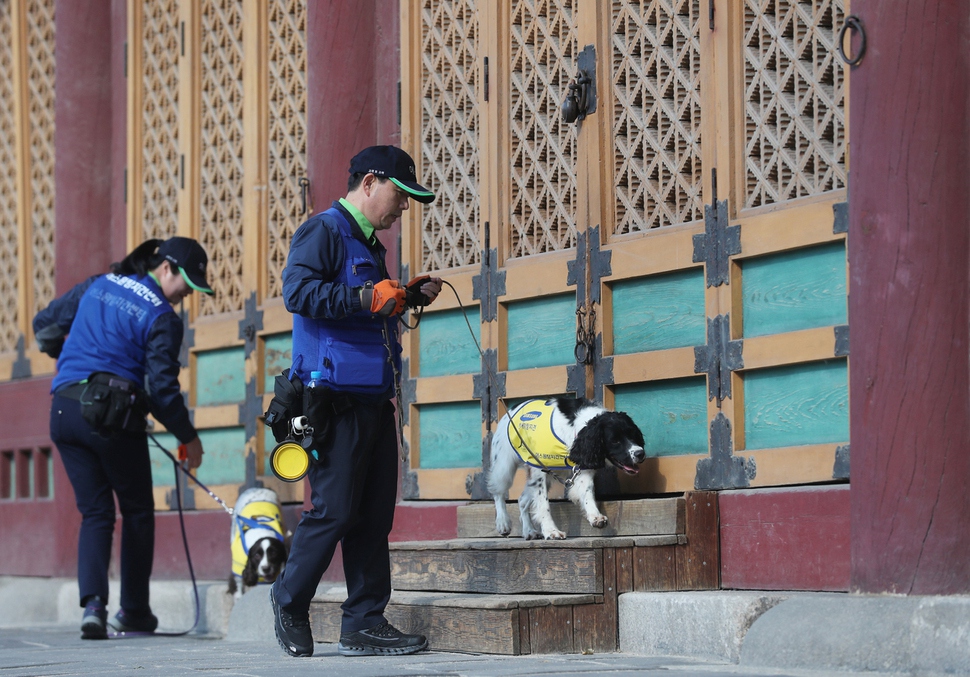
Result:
{"points": [[384, 298]]}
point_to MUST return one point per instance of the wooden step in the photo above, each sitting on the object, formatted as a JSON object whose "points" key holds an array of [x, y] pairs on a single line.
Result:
{"points": [[509, 566], [494, 624], [646, 517], [509, 596]]}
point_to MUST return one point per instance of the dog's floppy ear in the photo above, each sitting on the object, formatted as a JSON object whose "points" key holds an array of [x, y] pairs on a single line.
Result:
{"points": [[250, 577], [587, 449]]}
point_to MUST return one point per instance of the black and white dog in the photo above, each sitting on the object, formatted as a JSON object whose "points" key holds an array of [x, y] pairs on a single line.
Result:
{"points": [[564, 434], [258, 544]]}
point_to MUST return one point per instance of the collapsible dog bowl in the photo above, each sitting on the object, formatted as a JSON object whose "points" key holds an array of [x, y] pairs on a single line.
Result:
{"points": [[289, 461]]}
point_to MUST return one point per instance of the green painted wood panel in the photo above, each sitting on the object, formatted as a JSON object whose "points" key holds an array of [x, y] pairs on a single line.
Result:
{"points": [[800, 404], [277, 356], [220, 376], [795, 290], [542, 332], [163, 470], [659, 312], [671, 414], [224, 461], [451, 435], [446, 346]]}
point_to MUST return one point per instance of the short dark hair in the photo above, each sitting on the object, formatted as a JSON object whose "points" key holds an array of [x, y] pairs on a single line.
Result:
{"points": [[353, 183]]}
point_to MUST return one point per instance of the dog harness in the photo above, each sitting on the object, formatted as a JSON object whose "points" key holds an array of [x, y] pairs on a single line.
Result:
{"points": [[256, 520], [532, 434]]}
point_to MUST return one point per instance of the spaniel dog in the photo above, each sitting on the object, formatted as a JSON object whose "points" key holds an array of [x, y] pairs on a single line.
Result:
{"points": [[558, 434], [259, 546]]}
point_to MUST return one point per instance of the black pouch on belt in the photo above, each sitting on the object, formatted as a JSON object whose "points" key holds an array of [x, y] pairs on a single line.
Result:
{"points": [[287, 404], [111, 404]]}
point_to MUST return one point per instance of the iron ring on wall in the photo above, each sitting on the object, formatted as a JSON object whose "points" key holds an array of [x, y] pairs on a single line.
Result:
{"points": [[855, 23]]}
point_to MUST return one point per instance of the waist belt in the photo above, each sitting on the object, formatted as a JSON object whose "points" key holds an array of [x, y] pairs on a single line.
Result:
{"points": [[71, 392]]}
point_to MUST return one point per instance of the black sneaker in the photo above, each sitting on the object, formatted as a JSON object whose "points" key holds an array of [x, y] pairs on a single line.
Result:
{"points": [[292, 630], [126, 621], [94, 620], [381, 640]]}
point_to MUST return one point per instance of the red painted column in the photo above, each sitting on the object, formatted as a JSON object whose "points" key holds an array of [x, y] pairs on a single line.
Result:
{"points": [[909, 255], [83, 140]]}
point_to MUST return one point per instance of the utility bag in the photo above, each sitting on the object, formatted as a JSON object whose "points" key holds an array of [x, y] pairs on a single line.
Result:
{"points": [[287, 404], [112, 404]]}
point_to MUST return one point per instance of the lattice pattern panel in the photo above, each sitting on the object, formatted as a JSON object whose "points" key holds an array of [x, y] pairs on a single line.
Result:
{"points": [[450, 161], [222, 150], [9, 267], [40, 82], [543, 147], [656, 113], [287, 131], [160, 119], [794, 99]]}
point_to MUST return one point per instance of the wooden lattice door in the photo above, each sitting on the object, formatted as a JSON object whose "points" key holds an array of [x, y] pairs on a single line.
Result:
{"points": [[678, 254]]}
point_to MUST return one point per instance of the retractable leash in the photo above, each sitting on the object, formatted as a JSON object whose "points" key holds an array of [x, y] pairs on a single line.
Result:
{"points": [[185, 543]]}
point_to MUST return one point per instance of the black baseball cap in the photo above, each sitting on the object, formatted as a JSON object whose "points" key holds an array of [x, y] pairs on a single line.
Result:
{"points": [[191, 260], [395, 164]]}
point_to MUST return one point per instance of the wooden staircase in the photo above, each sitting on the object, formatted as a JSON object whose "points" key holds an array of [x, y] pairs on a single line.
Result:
{"points": [[483, 594]]}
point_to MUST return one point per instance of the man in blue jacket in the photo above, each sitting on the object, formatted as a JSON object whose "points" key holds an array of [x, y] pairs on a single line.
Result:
{"points": [[345, 316]]}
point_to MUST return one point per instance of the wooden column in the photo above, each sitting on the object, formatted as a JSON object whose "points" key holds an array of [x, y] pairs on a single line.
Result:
{"points": [[909, 262], [83, 141]]}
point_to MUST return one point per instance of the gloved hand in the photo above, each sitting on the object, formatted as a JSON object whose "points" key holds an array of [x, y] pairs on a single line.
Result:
{"points": [[422, 291], [385, 298]]}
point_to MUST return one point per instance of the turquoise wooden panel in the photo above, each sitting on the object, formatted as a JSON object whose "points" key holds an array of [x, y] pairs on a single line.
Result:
{"points": [[446, 346], [268, 443], [451, 435], [800, 404], [220, 376], [163, 470], [795, 290], [671, 414], [224, 461], [542, 332], [659, 312], [277, 356]]}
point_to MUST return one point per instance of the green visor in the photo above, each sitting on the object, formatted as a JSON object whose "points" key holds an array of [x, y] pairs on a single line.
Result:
{"points": [[415, 191]]}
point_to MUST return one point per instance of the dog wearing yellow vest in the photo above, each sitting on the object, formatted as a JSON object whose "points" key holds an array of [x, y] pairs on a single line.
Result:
{"points": [[576, 436], [258, 543]]}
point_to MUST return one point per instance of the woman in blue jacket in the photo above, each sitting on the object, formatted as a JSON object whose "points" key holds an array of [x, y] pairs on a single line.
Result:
{"points": [[117, 339]]}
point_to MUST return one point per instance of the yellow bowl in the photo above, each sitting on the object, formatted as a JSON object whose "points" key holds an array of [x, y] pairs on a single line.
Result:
{"points": [[289, 461]]}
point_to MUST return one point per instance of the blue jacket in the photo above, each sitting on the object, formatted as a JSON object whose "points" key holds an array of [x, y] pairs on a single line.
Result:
{"points": [[329, 261], [123, 325]]}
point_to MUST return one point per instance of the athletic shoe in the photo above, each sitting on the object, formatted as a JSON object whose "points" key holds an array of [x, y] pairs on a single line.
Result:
{"points": [[292, 630], [381, 640], [126, 621], [93, 622]]}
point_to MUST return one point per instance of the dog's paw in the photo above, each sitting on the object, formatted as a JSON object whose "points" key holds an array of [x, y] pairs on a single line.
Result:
{"points": [[599, 521], [503, 527], [555, 536], [532, 536]]}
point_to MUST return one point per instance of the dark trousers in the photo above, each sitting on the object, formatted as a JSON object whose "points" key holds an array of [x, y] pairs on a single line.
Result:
{"points": [[354, 491], [97, 467]]}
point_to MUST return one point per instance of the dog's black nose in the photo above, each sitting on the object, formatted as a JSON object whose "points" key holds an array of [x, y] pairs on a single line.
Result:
{"points": [[639, 455]]}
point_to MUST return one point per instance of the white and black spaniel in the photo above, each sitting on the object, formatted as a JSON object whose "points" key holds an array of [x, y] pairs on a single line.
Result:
{"points": [[258, 544], [563, 434]]}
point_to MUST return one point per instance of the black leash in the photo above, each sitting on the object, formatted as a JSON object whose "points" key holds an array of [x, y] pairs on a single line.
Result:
{"points": [[185, 543]]}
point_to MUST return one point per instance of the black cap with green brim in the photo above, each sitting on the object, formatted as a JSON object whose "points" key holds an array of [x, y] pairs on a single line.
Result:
{"points": [[191, 260], [395, 164]]}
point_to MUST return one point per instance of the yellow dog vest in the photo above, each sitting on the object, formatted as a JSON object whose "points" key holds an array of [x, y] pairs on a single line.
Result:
{"points": [[255, 515], [532, 435]]}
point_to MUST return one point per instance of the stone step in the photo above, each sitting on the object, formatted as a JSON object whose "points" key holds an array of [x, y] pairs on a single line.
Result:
{"points": [[640, 517]]}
